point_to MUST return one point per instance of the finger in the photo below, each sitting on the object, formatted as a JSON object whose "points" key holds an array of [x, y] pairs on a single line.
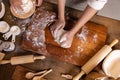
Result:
{"points": [[55, 32], [61, 27], [52, 30], [65, 45], [63, 39], [36, 2], [39, 2]]}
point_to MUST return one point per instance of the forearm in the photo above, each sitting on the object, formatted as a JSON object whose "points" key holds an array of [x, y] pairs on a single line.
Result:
{"points": [[86, 16], [61, 9]]}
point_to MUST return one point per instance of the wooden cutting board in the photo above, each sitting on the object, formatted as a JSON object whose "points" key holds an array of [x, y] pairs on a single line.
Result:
{"points": [[37, 38], [85, 44]]}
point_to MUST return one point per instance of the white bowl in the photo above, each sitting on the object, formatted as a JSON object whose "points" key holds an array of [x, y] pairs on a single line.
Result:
{"points": [[111, 64], [11, 46], [25, 13], [2, 12], [4, 27]]}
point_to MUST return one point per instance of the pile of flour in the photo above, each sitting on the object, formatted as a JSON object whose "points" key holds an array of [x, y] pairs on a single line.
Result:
{"points": [[27, 5]]}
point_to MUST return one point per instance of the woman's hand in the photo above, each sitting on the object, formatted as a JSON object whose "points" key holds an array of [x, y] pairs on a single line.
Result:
{"points": [[38, 2], [66, 39], [16, 4], [57, 27]]}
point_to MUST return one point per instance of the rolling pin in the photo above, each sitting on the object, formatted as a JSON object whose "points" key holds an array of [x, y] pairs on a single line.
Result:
{"points": [[95, 60], [22, 59], [2, 55]]}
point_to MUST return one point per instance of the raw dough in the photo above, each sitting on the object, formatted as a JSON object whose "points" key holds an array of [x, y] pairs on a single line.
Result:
{"points": [[59, 35], [58, 39]]}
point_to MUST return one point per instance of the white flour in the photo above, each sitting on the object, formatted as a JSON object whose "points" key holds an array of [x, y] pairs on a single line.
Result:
{"points": [[27, 5]]}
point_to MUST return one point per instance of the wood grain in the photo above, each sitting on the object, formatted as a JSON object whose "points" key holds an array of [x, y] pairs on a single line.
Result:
{"points": [[86, 43], [91, 38]]}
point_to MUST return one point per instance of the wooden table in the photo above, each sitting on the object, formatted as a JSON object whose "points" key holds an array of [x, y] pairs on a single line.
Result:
{"points": [[6, 71]]}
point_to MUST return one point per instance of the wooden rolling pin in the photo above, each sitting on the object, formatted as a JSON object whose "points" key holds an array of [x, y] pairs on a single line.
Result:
{"points": [[1, 55], [22, 59], [95, 60]]}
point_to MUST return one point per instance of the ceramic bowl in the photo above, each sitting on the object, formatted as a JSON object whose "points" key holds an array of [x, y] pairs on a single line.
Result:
{"points": [[23, 15], [111, 64], [4, 27], [11, 46], [2, 12]]}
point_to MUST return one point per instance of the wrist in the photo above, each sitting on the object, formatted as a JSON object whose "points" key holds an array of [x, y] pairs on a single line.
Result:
{"points": [[76, 28], [71, 33], [61, 19]]}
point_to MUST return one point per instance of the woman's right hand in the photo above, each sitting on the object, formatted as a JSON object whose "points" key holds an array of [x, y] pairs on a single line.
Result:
{"points": [[16, 4], [59, 24]]}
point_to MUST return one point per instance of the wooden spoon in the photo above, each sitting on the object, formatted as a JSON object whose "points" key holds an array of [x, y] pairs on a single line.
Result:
{"points": [[40, 77], [30, 75]]}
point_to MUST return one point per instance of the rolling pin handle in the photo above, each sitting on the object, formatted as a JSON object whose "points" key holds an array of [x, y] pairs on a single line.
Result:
{"points": [[78, 76], [114, 42], [2, 55], [39, 57], [5, 61]]}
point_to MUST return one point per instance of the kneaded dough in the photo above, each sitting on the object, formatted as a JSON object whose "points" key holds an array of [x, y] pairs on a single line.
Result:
{"points": [[59, 35]]}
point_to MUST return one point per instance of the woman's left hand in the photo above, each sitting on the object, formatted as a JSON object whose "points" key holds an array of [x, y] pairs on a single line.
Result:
{"points": [[66, 40], [38, 2]]}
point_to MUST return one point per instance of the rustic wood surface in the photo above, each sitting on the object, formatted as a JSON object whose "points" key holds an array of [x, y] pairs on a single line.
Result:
{"points": [[90, 38], [6, 71]]}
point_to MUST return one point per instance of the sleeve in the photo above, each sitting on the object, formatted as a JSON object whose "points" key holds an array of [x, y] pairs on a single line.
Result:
{"points": [[96, 4]]}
